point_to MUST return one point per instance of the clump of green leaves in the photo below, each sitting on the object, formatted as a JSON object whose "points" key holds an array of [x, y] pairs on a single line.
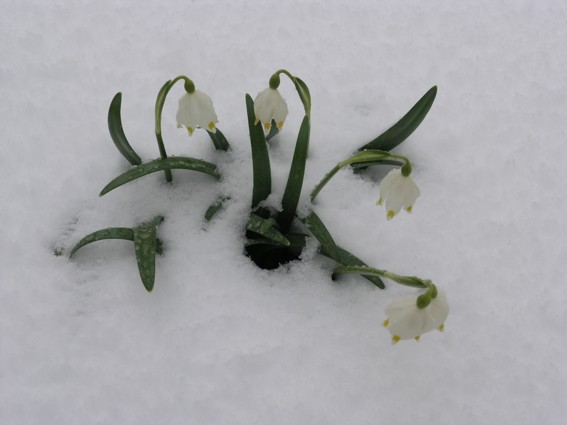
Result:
{"points": [[273, 237]]}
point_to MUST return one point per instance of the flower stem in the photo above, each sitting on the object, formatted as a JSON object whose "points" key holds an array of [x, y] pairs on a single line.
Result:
{"points": [[300, 86], [160, 102], [368, 156], [412, 281]]}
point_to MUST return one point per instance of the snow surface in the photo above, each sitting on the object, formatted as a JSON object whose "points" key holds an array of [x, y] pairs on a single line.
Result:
{"points": [[220, 341]]}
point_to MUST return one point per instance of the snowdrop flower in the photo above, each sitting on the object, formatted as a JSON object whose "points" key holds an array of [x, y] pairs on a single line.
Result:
{"points": [[397, 191], [270, 105], [196, 111], [406, 320]]}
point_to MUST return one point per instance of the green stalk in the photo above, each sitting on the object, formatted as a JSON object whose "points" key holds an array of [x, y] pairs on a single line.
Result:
{"points": [[300, 86], [262, 177], [160, 102], [412, 281], [295, 178], [364, 157]]}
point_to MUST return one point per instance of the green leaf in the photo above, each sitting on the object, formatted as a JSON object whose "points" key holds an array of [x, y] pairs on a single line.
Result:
{"points": [[318, 229], [173, 162], [295, 179], [108, 233], [330, 249], [261, 241], [405, 126], [348, 259], [265, 227], [304, 94], [219, 141], [297, 243], [262, 177], [215, 207], [145, 245], [117, 132]]}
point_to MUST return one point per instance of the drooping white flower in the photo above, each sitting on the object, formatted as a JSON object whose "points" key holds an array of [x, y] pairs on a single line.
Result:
{"points": [[196, 111], [405, 320], [270, 105], [397, 191]]}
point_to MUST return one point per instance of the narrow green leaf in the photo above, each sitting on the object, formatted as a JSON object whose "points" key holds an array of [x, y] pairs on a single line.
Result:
{"points": [[304, 94], [297, 242], [173, 162], [108, 233], [215, 207], [145, 245], [318, 229], [265, 227], [330, 249], [117, 132], [348, 259], [295, 179], [405, 126], [262, 177], [262, 241], [219, 141]]}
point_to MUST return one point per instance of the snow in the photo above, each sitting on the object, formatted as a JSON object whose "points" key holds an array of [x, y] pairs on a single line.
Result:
{"points": [[221, 341]]}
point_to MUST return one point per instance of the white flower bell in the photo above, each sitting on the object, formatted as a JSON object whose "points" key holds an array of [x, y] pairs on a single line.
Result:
{"points": [[196, 111], [405, 320], [270, 105], [397, 191]]}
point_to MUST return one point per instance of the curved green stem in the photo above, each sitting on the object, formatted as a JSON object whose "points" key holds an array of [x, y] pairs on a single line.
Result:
{"points": [[300, 86], [412, 281], [367, 157], [160, 102], [324, 181]]}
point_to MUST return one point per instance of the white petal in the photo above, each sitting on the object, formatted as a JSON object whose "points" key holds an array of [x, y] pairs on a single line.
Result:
{"points": [[196, 110], [270, 105], [397, 191], [406, 320]]}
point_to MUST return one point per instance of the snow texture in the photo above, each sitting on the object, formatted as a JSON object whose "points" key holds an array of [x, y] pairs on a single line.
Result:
{"points": [[220, 341]]}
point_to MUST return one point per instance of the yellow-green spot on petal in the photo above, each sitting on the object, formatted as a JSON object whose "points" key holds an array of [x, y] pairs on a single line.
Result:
{"points": [[379, 202], [409, 209], [391, 214], [386, 322], [266, 126], [395, 339], [280, 125], [442, 328], [417, 338], [196, 111]]}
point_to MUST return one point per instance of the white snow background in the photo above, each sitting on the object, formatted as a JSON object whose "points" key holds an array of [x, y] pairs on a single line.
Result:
{"points": [[220, 341]]}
